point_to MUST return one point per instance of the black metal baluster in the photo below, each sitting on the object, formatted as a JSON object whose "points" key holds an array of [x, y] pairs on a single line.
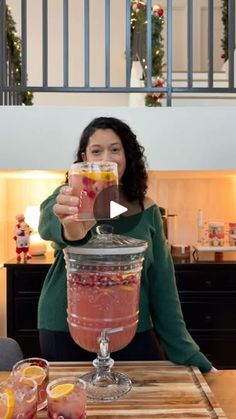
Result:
{"points": [[86, 43], [231, 43], [107, 44], [45, 42], [128, 44], [190, 43], [210, 42], [169, 52], [65, 44]]}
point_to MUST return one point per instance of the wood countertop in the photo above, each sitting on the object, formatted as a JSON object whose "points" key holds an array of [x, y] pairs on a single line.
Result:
{"points": [[160, 389]]}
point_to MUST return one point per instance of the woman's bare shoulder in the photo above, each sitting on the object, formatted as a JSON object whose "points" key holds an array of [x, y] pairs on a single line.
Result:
{"points": [[148, 202]]}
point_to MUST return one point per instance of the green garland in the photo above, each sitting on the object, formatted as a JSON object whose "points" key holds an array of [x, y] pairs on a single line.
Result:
{"points": [[138, 21], [224, 40], [14, 45]]}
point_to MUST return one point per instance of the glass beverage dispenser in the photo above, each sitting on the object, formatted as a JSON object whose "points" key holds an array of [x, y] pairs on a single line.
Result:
{"points": [[103, 283]]}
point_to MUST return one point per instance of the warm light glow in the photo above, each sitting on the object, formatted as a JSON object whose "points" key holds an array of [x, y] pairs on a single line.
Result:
{"points": [[37, 245], [32, 217], [31, 174]]}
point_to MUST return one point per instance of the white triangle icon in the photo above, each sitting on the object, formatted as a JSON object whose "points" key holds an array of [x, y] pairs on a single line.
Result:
{"points": [[116, 209]]}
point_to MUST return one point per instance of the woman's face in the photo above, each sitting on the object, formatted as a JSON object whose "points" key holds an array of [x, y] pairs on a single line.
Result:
{"points": [[105, 145]]}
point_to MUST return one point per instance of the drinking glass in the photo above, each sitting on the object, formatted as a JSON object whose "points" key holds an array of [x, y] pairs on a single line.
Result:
{"points": [[18, 398], [66, 398], [38, 370], [91, 181]]}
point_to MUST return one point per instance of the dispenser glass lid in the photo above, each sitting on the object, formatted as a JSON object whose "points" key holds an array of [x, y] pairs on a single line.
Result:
{"points": [[107, 243]]}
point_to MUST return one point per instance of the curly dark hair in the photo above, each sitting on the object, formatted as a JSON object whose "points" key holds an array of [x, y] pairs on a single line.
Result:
{"points": [[135, 178]]}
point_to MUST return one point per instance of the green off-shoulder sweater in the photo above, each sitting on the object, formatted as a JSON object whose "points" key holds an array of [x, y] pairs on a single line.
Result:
{"points": [[159, 302]]}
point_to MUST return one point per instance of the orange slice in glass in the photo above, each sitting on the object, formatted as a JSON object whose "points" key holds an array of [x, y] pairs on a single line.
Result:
{"points": [[7, 404], [104, 176], [61, 390], [35, 372], [127, 287]]}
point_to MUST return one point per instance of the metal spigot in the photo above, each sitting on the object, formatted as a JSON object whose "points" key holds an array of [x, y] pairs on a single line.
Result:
{"points": [[103, 340]]}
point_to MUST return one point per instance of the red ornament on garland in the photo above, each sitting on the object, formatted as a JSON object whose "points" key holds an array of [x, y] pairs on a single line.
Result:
{"points": [[159, 84], [160, 12], [222, 56], [158, 95], [137, 6]]}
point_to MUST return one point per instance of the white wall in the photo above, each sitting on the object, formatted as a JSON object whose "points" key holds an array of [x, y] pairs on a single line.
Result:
{"points": [[174, 138]]}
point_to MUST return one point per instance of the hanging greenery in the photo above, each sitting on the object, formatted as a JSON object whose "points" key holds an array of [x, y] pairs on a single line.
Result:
{"points": [[224, 40], [139, 22], [14, 48]]}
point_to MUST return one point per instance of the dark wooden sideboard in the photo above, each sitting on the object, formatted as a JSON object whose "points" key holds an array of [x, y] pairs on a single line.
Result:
{"points": [[24, 284], [207, 292]]}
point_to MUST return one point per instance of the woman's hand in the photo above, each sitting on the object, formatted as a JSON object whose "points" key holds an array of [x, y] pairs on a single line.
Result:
{"points": [[213, 369], [67, 209]]}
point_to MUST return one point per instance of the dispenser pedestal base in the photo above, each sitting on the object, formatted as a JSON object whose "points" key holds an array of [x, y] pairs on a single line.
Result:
{"points": [[116, 386]]}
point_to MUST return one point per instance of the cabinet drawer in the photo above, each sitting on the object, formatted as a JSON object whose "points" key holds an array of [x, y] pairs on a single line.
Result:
{"points": [[210, 314], [29, 281], [206, 281], [25, 314]]}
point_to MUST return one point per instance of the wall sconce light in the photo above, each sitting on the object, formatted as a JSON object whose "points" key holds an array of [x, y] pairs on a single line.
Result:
{"points": [[37, 244]]}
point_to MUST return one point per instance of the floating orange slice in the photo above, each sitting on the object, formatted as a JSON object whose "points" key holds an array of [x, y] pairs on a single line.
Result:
{"points": [[127, 287], [35, 372], [104, 176], [61, 390], [7, 404]]}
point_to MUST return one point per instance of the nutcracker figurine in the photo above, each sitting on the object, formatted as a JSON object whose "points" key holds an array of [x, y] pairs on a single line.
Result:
{"points": [[22, 238]]}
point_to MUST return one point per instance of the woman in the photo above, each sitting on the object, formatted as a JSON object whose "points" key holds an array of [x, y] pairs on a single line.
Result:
{"points": [[110, 139]]}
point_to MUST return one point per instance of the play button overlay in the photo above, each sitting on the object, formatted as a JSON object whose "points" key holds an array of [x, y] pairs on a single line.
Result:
{"points": [[116, 209], [102, 204], [107, 207]]}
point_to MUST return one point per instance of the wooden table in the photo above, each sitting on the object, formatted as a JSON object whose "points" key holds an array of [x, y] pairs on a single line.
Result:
{"points": [[160, 390]]}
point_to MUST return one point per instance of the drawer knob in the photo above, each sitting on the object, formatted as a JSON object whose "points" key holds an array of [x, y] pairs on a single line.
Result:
{"points": [[208, 318], [208, 283]]}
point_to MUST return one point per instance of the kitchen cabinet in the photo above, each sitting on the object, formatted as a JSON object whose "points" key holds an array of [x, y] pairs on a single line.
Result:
{"points": [[207, 293], [24, 283]]}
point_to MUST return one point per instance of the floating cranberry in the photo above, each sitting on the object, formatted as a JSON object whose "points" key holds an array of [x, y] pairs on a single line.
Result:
{"points": [[42, 364], [91, 194], [87, 181]]}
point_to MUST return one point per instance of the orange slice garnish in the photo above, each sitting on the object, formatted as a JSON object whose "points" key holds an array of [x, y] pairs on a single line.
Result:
{"points": [[127, 287], [7, 404], [61, 390], [35, 372], [104, 176]]}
